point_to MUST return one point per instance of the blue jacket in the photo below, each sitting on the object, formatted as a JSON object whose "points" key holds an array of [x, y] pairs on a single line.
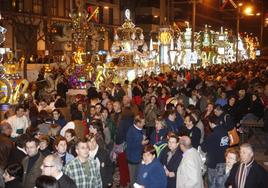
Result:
{"points": [[172, 125], [161, 135], [179, 120], [134, 146], [215, 145], [152, 175]]}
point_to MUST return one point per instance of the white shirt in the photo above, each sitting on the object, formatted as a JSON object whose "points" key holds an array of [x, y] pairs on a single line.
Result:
{"points": [[59, 176], [92, 154], [69, 125], [18, 123]]}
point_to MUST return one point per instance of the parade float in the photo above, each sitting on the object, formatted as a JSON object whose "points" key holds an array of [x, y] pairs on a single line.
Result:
{"points": [[12, 86], [129, 56]]}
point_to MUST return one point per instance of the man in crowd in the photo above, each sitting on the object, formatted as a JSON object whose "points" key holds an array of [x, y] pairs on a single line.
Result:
{"points": [[135, 142], [18, 122], [96, 152], [84, 172], [247, 173], [32, 163], [189, 172], [52, 166]]}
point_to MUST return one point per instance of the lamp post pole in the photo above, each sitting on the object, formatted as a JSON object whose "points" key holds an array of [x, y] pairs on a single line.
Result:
{"points": [[193, 22], [237, 32]]}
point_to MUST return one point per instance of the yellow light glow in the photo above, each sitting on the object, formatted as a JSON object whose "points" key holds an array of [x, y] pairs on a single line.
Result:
{"points": [[248, 10], [106, 7], [258, 14], [155, 16], [240, 4]]}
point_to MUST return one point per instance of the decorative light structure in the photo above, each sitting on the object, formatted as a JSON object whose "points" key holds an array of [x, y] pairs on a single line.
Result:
{"points": [[128, 41]]}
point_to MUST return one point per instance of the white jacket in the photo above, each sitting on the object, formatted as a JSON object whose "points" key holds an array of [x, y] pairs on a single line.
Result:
{"points": [[189, 173]]}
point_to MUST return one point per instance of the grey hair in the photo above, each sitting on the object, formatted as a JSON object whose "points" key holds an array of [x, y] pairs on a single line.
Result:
{"points": [[56, 161], [249, 146]]}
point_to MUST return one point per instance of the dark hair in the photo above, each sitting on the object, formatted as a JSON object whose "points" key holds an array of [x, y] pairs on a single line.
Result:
{"points": [[57, 110], [33, 139], [21, 140], [76, 115], [58, 140], [46, 182], [19, 107], [15, 170], [80, 140], [174, 136], [213, 119], [149, 148], [71, 131]]}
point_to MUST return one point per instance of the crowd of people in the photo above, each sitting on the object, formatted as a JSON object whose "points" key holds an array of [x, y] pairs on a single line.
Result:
{"points": [[159, 131]]}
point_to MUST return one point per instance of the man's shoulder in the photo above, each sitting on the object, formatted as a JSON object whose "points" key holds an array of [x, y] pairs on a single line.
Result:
{"points": [[66, 182]]}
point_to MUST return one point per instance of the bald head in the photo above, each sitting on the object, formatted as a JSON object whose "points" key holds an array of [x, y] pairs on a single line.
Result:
{"points": [[52, 165], [185, 143]]}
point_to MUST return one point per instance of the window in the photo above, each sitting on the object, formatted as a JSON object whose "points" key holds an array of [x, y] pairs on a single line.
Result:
{"points": [[54, 7], [37, 6], [67, 8], [111, 16]]}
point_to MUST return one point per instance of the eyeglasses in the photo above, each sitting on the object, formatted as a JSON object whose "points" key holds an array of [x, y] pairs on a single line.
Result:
{"points": [[47, 166]]}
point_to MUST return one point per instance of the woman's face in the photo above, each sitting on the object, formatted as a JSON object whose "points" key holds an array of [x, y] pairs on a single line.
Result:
{"points": [[104, 114], [158, 125], [210, 108], [153, 100], [231, 159], [80, 107], [61, 147], [68, 136], [43, 145], [188, 122], [231, 101]]}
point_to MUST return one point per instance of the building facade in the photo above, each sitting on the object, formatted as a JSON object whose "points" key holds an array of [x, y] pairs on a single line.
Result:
{"points": [[37, 27]]}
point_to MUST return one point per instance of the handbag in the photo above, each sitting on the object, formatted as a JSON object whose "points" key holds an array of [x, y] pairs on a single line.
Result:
{"points": [[233, 137]]}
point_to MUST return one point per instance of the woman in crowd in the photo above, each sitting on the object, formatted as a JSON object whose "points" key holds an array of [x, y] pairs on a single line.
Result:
{"points": [[44, 145], [109, 128], [160, 131], [231, 157], [71, 138], [60, 147], [190, 129], [151, 112]]}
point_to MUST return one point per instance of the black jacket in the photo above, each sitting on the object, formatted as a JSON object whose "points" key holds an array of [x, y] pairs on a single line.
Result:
{"points": [[106, 167], [215, 146], [14, 184], [66, 182], [256, 178], [172, 165]]}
